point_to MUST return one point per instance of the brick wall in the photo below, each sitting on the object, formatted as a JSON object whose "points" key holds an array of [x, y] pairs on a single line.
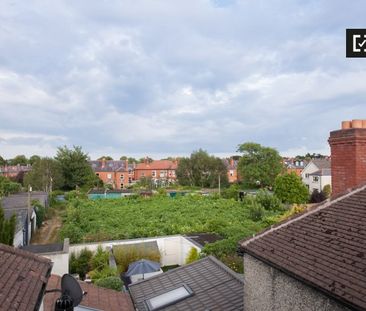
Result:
{"points": [[348, 151]]}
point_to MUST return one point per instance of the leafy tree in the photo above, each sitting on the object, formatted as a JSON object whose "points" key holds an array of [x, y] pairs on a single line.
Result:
{"points": [[201, 170], [130, 159], [107, 158], [290, 189], [148, 159], [3, 162], [7, 228], [19, 159], [46, 175], [81, 264], [268, 201], [33, 159], [75, 168], [259, 165], [100, 259], [7, 186]]}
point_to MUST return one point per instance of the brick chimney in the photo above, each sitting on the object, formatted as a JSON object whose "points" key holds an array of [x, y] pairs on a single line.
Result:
{"points": [[103, 162], [348, 154]]}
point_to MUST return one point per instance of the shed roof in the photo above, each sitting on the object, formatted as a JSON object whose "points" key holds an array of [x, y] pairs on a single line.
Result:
{"points": [[324, 248], [23, 279], [214, 286]]}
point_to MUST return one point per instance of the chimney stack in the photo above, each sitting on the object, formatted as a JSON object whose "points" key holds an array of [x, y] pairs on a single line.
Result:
{"points": [[348, 155], [103, 162]]}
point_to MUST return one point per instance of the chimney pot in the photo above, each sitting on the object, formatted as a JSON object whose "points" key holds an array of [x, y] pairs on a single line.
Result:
{"points": [[346, 125], [357, 124], [364, 124]]}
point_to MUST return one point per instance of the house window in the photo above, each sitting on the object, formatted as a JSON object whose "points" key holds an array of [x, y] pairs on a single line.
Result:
{"points": [[97, 174], [143, 174], [315, 178], [129, 180], [109, 176], [306, 175], [121, 186], [122, 177], [153, 173], [231, 173], [163, 173]]}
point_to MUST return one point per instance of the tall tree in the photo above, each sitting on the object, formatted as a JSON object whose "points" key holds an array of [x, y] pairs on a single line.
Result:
{"points": [[130, 159], [289, 188], [46, 175], [259, 165], [75, 167], [201, 170], [33, 159], [3, 162], [107, 158], [7, 228], [19, 159]]}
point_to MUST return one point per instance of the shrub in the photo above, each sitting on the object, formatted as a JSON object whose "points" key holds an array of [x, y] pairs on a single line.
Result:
{"points": [[80, 264], [290, 189], [75, 194], [102, 274], [269, 201], [100, 260], [256, 211], [192, 255], [317, 197], [232, 192], [112, 282], [327, 191], [126, 254]]}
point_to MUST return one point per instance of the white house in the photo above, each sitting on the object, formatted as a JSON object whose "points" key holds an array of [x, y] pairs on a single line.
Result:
{"points": [[317, 174]]}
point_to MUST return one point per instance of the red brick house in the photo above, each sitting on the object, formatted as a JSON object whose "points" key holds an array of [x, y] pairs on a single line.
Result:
{"points": [[118, 174], [160, 170], [232, 170]]}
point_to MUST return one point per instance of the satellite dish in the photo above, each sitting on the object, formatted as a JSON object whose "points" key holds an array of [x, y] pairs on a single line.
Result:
{"points": [[70, 287]]}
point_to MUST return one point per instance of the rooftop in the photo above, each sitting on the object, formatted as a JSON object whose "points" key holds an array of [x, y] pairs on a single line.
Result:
{"points": [[110, 166], [158, 165], [324, 248], [214, 287], [322, 163], [97, 297], [23, 279]]}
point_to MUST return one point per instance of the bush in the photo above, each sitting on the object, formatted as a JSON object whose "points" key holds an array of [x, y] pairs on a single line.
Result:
{"points": [[269, 201], [40, 213], [112, 282], [317, 197], [107, 271], [192, 255], [232, 192], [256, 211], [327, 191], [125, 255], [100, 260], [75, 194], [80, 264], [290, 189]]}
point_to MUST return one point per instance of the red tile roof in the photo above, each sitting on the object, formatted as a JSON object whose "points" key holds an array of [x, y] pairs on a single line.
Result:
{"points": [[23, 279], [324, 248], [158, 165], [96, 297]]}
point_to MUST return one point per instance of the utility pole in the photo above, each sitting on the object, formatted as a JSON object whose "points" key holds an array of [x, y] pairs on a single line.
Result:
{"points": [[29, 212], [219, 184]]}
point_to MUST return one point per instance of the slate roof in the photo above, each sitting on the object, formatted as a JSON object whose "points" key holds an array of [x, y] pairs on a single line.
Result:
{"points": [[96, 297], [215, 287], [15, 169], [23, 279], [324, 248], [322, 172], [322, 163], [158, 165], [110, 166], [231, 164], [20, 200]]}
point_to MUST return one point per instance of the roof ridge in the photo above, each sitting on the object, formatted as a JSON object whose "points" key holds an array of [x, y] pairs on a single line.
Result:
{"points": [[306, 214], [20, 252], [225, 268]]}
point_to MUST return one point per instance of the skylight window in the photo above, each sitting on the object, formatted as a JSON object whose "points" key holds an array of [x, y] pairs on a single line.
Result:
{"points": [[168, 298]]}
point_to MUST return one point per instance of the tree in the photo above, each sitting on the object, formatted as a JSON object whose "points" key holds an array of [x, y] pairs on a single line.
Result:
{"points": [[33, 159], [46, 175], [327, 191], [3, 162], [317, 197], [290, 189], [259, 165], [107, 158], [201, 170], [146, 159], [19, 159], [7, 228], [75, 168], [129, 159], [7, 186]]}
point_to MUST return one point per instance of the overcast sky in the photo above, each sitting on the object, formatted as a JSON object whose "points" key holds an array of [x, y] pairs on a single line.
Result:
{"points": [[160, 78]]}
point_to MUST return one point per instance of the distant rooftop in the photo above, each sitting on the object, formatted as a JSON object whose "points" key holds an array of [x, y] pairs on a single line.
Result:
{"points": [[213, 285]]}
